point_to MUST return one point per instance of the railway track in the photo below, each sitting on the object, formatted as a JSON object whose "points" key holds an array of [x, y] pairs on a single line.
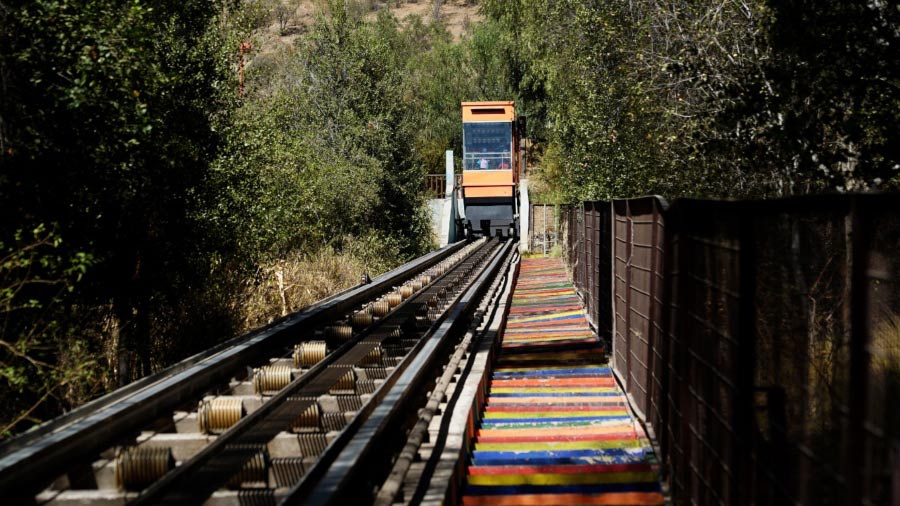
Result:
{"points": [[268, 416]]}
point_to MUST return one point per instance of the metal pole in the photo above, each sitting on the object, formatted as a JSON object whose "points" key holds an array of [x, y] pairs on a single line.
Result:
{"points": [[448, 172], [544, 206], [449, 193]]}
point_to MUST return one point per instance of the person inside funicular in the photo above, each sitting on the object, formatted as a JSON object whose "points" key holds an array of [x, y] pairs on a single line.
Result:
{"points": [[483, 164]]}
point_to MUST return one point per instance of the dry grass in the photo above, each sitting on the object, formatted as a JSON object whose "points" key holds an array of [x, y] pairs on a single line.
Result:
{"points": [[297, 281], [457, 15], [885, 347], [885, 373]]}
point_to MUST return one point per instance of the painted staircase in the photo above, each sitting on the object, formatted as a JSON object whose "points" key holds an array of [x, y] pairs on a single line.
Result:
{"points": [[555, 428]]}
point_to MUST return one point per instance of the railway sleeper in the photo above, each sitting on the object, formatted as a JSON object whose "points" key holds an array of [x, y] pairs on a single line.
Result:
{"points": [[295, 453], [181, 435], [242, 497]]}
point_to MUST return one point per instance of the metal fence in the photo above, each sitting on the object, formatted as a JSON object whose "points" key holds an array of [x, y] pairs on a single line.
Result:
{"points": [[543, 227], [585, 231], [435, 185], [637, 285], [760, 341]]}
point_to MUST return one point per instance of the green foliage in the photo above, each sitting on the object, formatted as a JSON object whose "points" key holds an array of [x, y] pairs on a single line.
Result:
{"points": [[328, 133], [445, 73], [580, 95], [120, 125], [110, 114], [37, 278], [831, 80], [439, 80], [706, 98]]}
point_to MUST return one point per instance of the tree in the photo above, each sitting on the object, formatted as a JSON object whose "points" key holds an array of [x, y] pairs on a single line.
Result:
{"points": [[707, 98], [111, 113], [284, 14], [36, 281], [330, 129], [833, 72], [436, 9]]}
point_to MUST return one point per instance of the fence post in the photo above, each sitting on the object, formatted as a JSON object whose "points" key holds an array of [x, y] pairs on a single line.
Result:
{"points": [[626, 333], [653, 339], [588, 252], [610, 311], [680, 389], [595, 270], [570, 239], [854, 433], [530, 227], [557, 220], [744, 415], [582, 276], [544, 231], [663, 431]]}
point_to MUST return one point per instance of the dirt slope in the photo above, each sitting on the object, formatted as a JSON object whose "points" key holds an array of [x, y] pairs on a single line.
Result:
{"points": [[457, 15]]}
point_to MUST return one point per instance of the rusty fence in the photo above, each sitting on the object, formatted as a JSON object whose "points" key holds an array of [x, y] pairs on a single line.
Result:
{"points": [[759, 341], [435, 185]]}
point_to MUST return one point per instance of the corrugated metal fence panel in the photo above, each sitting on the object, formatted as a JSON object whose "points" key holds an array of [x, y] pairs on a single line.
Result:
{"points": [[621, 293], [578, 232], [575, 242], [590, 223], [879, 455], [764, 338], [637, 271], [784, 346], [583, 253], [656, 355], [588, 250], [705, 386], [603, 272]]}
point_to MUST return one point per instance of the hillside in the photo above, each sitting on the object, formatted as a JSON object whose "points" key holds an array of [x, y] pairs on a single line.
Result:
{"points": [[294, 17]]}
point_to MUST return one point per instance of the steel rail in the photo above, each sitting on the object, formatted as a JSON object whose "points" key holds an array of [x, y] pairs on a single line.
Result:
{"points": [[211, 468], [418, 435], [29, 462], [359, 460]]}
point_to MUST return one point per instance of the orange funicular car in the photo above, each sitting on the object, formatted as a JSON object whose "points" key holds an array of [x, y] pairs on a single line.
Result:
{"points": [[490, 181]]}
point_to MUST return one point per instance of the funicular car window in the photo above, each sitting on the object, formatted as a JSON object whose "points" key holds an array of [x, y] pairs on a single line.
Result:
{"points": [[487, 146]]}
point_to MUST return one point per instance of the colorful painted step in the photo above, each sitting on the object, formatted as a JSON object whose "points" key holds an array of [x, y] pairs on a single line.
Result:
{"points": [[555, 428]]}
